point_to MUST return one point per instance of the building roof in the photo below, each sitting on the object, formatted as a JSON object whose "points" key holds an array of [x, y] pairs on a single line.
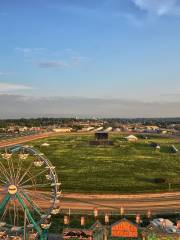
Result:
{"points": [[124, 220], [124, 228], [165, 225], [102, 132], [96, 225], [77, 233], [158, 222]]}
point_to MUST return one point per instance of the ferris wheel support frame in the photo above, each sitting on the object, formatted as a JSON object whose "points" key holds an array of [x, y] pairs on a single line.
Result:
{"points": [[27, 213], [29, 216], [4, 202]]}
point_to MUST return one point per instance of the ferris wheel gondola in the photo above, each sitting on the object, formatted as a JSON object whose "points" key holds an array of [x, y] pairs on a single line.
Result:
{"points": [[56, 211], [23, 155], [27, 182], [6, 155]]}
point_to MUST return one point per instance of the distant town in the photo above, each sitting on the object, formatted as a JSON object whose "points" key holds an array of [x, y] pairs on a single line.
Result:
{"points": [[24, 127]]}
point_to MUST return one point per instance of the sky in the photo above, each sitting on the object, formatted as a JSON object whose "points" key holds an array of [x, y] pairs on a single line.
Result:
{"points": [[90, 57]]}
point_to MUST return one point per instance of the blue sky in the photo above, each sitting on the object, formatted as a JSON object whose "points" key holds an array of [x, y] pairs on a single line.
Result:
{"points": [[127, 49]]}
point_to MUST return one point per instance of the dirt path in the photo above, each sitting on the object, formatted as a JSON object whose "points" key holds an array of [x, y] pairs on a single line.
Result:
{"points": [[20, 140], [132, 203], [168, 202]]}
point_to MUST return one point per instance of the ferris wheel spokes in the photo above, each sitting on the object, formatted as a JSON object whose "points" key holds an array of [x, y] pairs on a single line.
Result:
{"points": [[42, 185], [41, 196], [29, 192], [19, 167], [3, 181], [4, 172], [33, 177], [31, 202], [13, 170], [26, 172], [10, 171]]}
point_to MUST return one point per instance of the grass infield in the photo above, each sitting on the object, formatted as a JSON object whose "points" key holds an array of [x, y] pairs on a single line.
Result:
{"points": [[122, 168]]}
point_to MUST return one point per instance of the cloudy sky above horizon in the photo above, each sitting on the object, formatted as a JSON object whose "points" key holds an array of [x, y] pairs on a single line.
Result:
{"points": [[118, 57]]}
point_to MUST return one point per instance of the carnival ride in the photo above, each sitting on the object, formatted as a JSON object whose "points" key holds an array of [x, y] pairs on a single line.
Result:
{"points": [[27, 178]]}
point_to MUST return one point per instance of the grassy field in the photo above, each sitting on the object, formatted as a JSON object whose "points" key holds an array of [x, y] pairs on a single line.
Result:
{"points": [[122, 168]]}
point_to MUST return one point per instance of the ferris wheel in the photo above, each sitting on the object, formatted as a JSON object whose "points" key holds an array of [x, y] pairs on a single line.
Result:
{"points": [[29, 194]]}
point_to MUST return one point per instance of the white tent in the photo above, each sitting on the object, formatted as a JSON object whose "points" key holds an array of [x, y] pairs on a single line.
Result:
{"points": [[131, 138], [45, 144]]}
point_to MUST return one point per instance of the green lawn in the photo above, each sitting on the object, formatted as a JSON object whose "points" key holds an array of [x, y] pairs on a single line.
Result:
{"points": [[123, 167]]}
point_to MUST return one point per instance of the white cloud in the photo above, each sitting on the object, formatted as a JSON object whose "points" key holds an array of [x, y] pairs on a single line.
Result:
{"points": [[79, 59], [52, 64], [159, 7], [70, 56], [132, 19], [29, 51], [5, 87], [3, 74]]}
